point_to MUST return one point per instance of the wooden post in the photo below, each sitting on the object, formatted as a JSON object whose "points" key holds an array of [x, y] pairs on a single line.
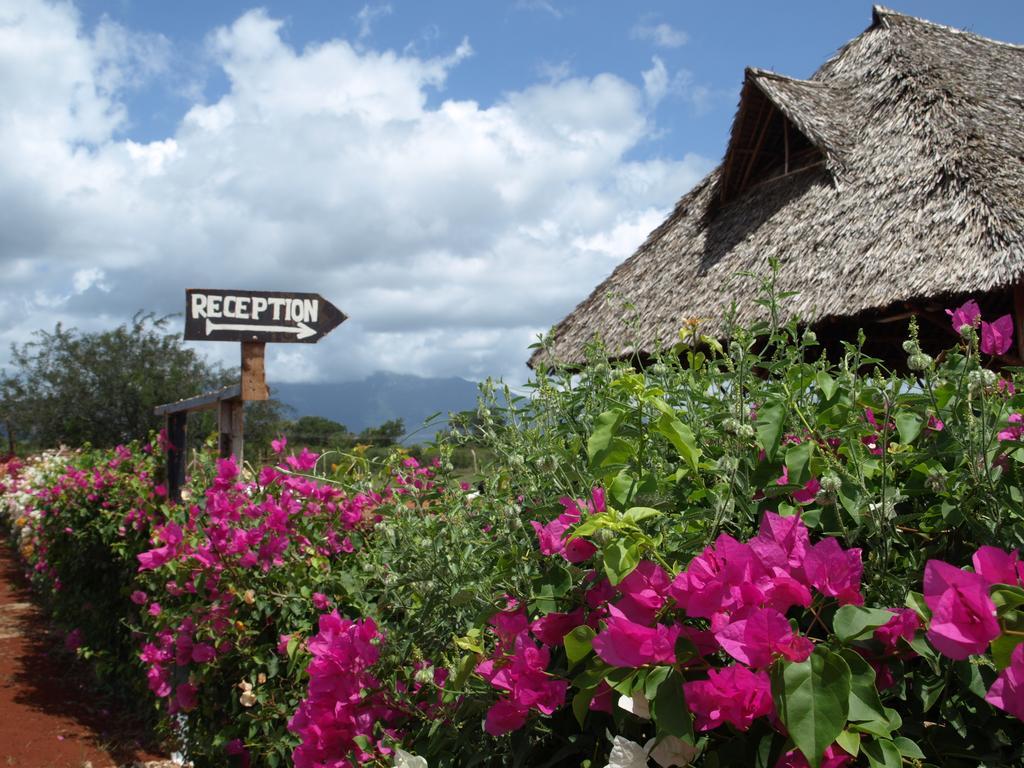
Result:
{"points": [[231, 425], [1018, 318], [230, 412], [254, 379], [177, 430]]}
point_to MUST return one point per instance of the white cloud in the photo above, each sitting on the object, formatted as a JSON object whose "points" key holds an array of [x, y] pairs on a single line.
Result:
{"points": [[368, 16], [539, 5], [451, 234], [660, 34]]}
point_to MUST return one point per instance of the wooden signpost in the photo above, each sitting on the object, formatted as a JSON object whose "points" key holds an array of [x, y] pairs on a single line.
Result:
{"points": [[252, 318]]}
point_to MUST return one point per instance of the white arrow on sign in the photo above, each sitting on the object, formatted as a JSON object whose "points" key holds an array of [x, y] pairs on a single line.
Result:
{"points": [[301, 331]]}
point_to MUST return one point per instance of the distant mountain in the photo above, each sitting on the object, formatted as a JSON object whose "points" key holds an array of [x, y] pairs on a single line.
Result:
{"points": [[379, 398]]}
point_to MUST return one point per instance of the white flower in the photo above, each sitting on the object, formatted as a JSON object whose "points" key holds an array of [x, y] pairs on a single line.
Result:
{"points": [[405, 759], [671, 751], [636, 704], [626, 754]]}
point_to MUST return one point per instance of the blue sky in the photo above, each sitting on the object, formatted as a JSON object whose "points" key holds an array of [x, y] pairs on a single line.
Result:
{"points": [[516, 43], [456, 176]]}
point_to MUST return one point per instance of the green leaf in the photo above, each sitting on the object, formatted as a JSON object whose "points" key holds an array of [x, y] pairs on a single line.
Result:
{"points": [[908, 748], [681, 436], [826, 384], [915, 601], [623, 488], [592, 524], [849, 741], [1002, 648], [620, 558], [770, 419], [1006, 596], [970, 678], [797, 458], [581, 704], [852, 622], [578, 643], [636, 514], [466, 666], [881, 753], [908, 424], [812, 698], [622, 679], [669, 710], [866, 708], [655, 677], [605, 427]]}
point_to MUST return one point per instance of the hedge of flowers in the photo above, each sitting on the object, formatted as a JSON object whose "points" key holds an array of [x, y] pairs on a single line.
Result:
{"points": [[733, 556]]}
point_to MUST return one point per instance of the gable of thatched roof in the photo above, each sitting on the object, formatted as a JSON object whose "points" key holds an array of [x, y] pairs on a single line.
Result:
{"points": [[783, 125], [920, 193]]}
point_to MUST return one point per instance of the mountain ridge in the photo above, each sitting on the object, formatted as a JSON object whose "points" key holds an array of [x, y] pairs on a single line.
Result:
{"points": [[380, 397]]}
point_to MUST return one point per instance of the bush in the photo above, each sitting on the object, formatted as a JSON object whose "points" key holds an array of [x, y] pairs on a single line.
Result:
{"points": [[738, 556]]}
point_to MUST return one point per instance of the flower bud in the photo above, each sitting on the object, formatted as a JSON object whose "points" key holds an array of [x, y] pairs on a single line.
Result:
{"points": [[604, 536], [830, 483]]}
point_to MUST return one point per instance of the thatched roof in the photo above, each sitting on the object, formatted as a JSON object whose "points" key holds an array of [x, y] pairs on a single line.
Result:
{"points": [[894, 173]]}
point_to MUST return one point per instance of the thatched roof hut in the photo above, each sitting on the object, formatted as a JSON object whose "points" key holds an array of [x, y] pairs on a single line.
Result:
{"points": [[888, 184]]}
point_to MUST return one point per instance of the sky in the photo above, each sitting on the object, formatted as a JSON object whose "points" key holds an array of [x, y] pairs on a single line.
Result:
{"points": [[455, 176]]}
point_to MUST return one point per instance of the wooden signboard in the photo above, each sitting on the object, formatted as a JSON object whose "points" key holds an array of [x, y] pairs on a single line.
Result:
{"points": [[252, 318], [260, 316]]}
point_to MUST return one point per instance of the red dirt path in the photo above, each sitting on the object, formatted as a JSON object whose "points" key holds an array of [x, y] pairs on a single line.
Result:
{"points": [[49, 718]]}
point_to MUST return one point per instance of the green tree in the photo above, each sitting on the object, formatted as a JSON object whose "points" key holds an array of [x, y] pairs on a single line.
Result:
{"points": [[318, 432], [70, 387], [388, 433], [264, 421]]}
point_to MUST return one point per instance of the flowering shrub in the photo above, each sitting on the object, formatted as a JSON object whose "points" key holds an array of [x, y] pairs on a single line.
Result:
{"points": [[734, 556]]}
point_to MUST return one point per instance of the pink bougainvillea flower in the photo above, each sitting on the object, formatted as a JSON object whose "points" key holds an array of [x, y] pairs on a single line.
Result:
{"points": [[524, 676], [203, 653], [969, 313], [997, 566], [551, 628], [834, 757], [834, 571], [934, 423], [186, 697], [321, 601], [734, 695], [172, 536], [963, 615], [139, 597], [624, 643], [1007, 692], [643, 592], [781, 542], [73, 640], [808, 493], [1015, 428], [552, 537], [805, 494], [159, 680], [578, 551], [505, 716], [904, 624], [236, 748], [997, 336], [279, 444], [760, 635]]}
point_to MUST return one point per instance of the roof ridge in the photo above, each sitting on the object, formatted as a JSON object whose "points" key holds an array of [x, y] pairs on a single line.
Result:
{"points": [[767, 73], [879, 14]]}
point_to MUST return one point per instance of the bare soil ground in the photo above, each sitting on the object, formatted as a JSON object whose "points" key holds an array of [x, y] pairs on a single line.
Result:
{"points": [[50, 716]]}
